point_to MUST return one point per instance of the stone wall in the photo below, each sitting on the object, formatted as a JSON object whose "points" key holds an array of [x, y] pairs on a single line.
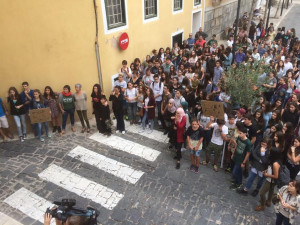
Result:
{"points": [[218, 19]]}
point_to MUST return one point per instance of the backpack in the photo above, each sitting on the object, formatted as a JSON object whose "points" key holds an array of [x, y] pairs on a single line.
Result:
{"points": [[153, 85], [283, 176], [263, 32]]}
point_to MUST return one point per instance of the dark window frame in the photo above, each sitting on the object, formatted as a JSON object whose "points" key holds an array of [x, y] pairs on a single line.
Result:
{"points": [[124, 18]]}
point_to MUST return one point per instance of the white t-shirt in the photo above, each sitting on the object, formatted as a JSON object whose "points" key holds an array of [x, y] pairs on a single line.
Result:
{"points": [[229, 43], [146, 103], [157, 90], [288, 66], [216, 136], [131, 93]]}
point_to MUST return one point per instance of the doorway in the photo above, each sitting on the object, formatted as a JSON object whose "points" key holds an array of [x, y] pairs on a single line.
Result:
{"points": [[196, 23], [177, 37]]}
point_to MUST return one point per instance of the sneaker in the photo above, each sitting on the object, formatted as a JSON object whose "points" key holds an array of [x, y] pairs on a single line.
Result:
{"points": [[73, 129], [255, 193], [177, 166], [141, 130], [117, 131], [24, 136], [196, 169], [204, 163], [147, 126], [126, 117], [159, 122], [49, 135], [242, 191], [234, 187], [259, 208], [216, 168], [183, 149], [42, 139], [150, 131], [165, 132], [228, 170], [192, 168], [22, 139], [123, 132]]}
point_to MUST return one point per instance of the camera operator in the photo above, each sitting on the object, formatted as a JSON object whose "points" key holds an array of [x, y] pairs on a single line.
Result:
{"points": [[66, 214], [73, 220]]}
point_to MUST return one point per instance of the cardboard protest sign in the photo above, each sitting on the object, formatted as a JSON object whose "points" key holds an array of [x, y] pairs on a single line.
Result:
{"points": [[40, 115], [211, 108]]}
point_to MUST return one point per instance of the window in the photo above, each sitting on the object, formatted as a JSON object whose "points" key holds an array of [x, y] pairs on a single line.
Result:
{"points": [[115, 13], [177, 5], [197, 2], [150, 7]]}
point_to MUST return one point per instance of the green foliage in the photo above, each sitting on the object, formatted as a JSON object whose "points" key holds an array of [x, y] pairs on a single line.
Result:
{"points": [[242, 84]]}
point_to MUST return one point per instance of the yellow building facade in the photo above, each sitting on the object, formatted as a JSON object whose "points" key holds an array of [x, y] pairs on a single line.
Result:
{"points": [[53, 42]]}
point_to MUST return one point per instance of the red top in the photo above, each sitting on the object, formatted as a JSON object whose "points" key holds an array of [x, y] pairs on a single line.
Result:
{"points": [[200, 42], [180, 129]]}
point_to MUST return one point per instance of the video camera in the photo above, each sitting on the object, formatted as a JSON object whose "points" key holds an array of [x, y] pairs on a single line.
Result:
{"points": [[65, 210]]}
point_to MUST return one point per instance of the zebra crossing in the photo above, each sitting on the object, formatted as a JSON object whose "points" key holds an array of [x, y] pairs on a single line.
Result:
{"points": [[34, 206]]}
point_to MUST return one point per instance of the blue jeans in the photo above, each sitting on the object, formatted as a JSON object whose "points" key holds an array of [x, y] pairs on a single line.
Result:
{"points": [[65, 117], [131, 109], [20, 121], [237, 174], [251, 178], [144, 121], [39, 128], [280, 218]]}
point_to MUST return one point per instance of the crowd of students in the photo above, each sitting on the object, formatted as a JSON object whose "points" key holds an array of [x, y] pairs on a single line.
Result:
{"points": [[259, 141]]}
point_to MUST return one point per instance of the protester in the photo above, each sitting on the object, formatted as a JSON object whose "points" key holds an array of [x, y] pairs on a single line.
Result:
{"points": [[81, 108], [117, 105], [51, 100], [38, 102], [67, 107]]}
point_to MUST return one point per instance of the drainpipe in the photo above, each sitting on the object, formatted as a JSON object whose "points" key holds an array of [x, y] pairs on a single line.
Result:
{"points": [[97, 46]]}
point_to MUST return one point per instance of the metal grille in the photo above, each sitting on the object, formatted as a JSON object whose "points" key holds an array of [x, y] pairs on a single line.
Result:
{"points": [[197, 2], [177, 5], [115, 13], [150, 8]]}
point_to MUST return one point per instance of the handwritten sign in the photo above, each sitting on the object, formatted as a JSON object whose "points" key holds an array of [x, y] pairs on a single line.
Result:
{"points": [[211, 108], [40, 115]]}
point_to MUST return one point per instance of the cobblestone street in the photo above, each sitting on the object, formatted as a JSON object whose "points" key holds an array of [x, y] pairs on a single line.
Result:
{"points": [[131, 180]]}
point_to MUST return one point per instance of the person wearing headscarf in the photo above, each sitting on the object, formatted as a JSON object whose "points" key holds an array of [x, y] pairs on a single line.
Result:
{"points": [[185, 107], [180, 123]]}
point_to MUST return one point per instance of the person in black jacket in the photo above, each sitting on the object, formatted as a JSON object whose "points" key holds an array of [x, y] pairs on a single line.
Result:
{"points": [[259, 162], [117, 105], [17, 110], [290, 114], [105, 116], [211, 64], [96, 96]]}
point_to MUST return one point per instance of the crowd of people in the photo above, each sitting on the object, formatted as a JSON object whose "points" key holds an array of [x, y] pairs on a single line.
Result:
{"points": [[259, 141]]}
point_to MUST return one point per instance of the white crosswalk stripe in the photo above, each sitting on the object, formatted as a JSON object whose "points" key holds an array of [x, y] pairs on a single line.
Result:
{"points": [[127, 146], [81, 186], [7, 220], [30, 204], [106, 164], [155, 135]]}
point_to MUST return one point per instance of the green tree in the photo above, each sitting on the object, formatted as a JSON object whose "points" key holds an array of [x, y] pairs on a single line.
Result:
{"points": [[243, 83]]}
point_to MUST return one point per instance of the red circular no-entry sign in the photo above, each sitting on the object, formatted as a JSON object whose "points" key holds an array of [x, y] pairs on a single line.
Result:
{"points": [[124, 41]]}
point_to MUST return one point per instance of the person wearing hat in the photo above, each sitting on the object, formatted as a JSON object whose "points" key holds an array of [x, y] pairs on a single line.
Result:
{"points": [[240, 115]]}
